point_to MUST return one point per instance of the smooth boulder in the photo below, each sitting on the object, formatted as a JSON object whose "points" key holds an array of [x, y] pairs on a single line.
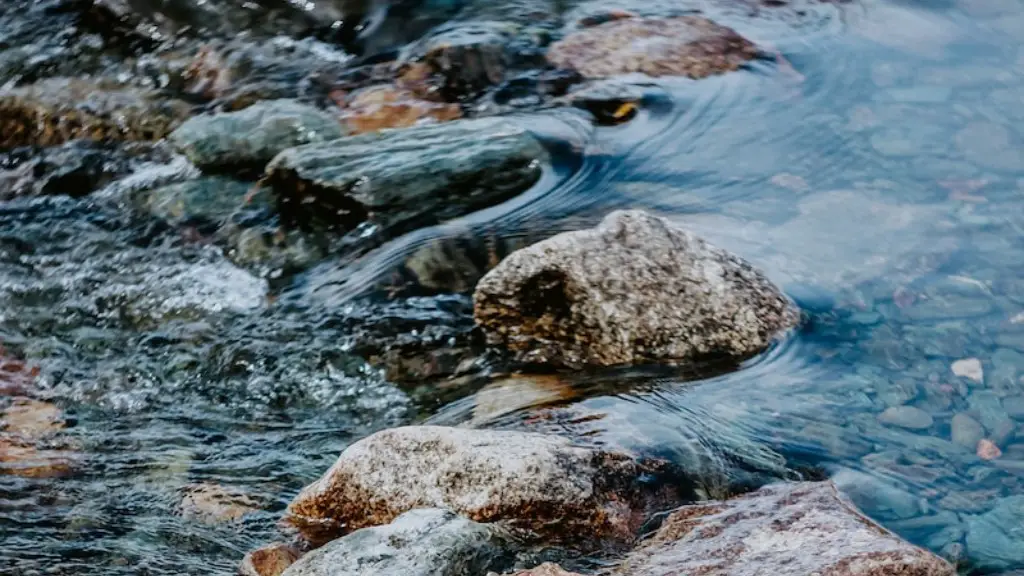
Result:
{"points": [[635, 289], [793, 528], [422, 542], [395, 179], [533, 482]]}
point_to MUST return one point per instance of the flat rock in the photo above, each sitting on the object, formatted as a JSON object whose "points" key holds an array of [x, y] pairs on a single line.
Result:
{"points": [[798, 528], [690, 46], [253, 136], [422, 542], [634, 289], [906, 417], [57, 110], [529, 481], [380, 107], [394, 178], [32, 418], [270, 560]]}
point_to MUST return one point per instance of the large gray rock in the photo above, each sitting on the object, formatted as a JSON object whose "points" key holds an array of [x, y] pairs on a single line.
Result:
{"points": [[995, 540], [253, 136], [798, 528], [422, 542], [394, 178], [634, 289], [528, 481]]}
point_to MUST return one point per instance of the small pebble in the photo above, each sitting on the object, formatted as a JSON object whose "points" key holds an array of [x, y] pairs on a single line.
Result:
{"points": [[906, 417], [987, 450], [969, 368]]}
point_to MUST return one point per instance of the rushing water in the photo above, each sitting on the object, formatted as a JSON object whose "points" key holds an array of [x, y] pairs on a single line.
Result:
{"points": [[875, 170]]}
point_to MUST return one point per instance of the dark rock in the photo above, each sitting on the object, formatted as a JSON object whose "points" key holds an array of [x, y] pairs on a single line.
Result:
{"points": [[252, 137], [204, 202], [689, 46], [532, 482], [270, 560], [800, 528], [467, 57], [397, 179], [633, 290], [421, 542]]}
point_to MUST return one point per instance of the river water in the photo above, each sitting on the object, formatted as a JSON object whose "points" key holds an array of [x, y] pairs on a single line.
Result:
{"points": [[875, 170]]}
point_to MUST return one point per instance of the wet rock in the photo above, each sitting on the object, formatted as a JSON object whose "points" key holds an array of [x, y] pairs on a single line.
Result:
{"points": [[545, 569], [55, 111], [513, 393], [988, 409], [610, 102], [635, 289], [75, 169], [987, 450], [270, 560], [690, 46], [421, 542], [379, 107], [995, 540], [906, 417], [966, 431], [210, 503], [800, 528], [20, 457], [969, 368], [205, 202], [397, 178], [1014, 407], [529, 481], [252, 137], [467, 57], [32, 418]]}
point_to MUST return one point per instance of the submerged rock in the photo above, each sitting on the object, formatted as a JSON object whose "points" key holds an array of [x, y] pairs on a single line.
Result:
{"points": [[32, 418], [55, 111], [251, 137], [422, 542], [995, 540], [76, 169], [545, 569], [466, 57], [906, 417], [533, 482], [799, 528], [215, 504], [635, 289], [379, 107], [397, 178], [21, 457], [690, 46], [270, 560]]}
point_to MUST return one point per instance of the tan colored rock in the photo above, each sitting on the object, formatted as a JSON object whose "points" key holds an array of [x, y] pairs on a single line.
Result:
{"points": [[516, 392], [545, 569], [19, 457], [32, 418], [690, 46], [379, 107], [210, 503], [635, 289], [270, 560], [797, 528], [969, 368], [529, 481]]}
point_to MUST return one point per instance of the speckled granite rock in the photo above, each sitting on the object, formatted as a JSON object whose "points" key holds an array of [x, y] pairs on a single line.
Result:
{"points": [[529, 481], [634, 289], [395, 178], [253, 136], [270, 560], [422, 542], [690, 46], [798, 528]]}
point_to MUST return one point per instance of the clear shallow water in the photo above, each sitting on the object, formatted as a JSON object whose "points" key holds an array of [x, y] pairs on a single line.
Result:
{"points": [[877, 173]]}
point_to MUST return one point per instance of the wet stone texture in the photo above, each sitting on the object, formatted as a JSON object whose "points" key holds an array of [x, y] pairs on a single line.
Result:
{"points": [[399, 178], [537, 483], [421, 542], [800, 528], [635, 289], [689, 46], [270, 560]]}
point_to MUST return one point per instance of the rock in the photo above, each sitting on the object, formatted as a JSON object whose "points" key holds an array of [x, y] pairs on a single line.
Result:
{"points": [[528, 481], [906, 417], [55, 111], [517, 392], [270, 560], [395, 178], [690, 46], [799, 528], [987, 450], [18, 457], [969, 368], [32, 418], [74, 169], [215, 504], [251, 137], [468, 57], [995, 540], [379, 107], [1014, 407], [966, 431], [545, 569], [421, 542], [206, 202], [634, 289]]}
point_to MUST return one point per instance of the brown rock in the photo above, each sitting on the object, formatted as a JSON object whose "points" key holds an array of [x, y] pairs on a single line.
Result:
{"points": [[270, 560], [210, 503], [545, 569], [57, 110], [32, 418], [379, 107], [798, 528], [516, 392], [635, 289], [530, 481], [685, 46], [18, 457]]}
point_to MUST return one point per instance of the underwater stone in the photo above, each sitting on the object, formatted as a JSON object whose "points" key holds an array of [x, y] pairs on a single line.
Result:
{"points": [[635, 289], [995, 540], [270, 560], [906, 417], [966, 431]]}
